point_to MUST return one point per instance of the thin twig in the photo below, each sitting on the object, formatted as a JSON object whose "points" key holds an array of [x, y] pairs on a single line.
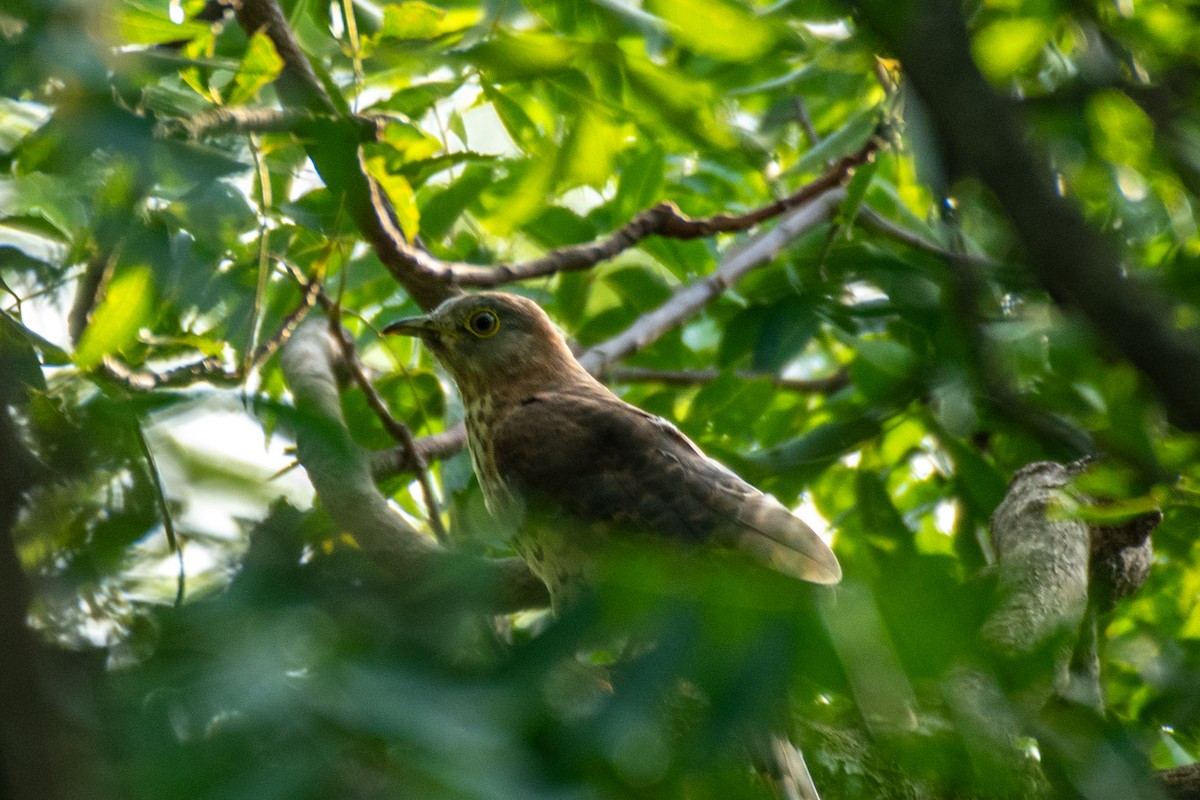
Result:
{"points": [[828, 385], [435, 447], [396, 429], [211, 368], [663, 219], [806, 123], [264, 273], [873, 220], [689, 299], [160, 494]]}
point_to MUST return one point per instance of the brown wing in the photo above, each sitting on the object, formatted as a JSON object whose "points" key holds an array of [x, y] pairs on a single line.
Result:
{"points": [[599, 458]]}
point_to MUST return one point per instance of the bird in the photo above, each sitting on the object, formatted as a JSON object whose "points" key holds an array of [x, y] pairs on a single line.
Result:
{"points": [[566, 465]]}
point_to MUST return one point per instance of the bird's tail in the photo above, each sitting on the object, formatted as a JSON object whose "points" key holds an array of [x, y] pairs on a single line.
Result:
{"points": [[780, 539], [782, 763]]}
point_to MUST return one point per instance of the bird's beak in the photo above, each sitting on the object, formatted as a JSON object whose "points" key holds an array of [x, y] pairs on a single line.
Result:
{"points": [[412, 326]]}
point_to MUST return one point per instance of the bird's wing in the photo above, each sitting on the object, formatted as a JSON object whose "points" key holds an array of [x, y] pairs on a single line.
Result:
{"points": [[599, 458]]}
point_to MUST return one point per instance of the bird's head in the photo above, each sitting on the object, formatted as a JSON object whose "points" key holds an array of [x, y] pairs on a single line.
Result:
{"points": [[492, 340]]}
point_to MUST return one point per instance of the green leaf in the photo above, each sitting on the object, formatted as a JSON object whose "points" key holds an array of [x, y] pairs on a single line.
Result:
{"points": [[819, 447], [981, 484], [715, 28], [260, 65], [856, 190], [18, 120], [412, 20], [521, 129], [506, 57], [590, 150], [145, 24], [883, 369], [1005, 46], [420, 170], [413, 101], [842, 142], [559, 227], [441, 210], [398, 191], [639, 185], [127, 304], [416, 20]]}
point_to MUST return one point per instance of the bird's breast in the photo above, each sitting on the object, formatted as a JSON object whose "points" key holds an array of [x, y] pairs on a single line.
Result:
{"points": [[501, 502]]}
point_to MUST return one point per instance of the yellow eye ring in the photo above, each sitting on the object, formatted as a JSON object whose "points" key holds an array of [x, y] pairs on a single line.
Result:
{"points": [[483, 323]]}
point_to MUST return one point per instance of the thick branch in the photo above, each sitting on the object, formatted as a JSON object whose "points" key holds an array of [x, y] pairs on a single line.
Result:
{"points": [[218, 121], [1080, 268], [1181, 783], [1042, 555], [689, 299], [335, 464], [30, 767]]}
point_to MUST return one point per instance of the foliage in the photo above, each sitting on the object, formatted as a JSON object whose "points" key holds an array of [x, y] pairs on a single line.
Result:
{"points": [[294, 667]]}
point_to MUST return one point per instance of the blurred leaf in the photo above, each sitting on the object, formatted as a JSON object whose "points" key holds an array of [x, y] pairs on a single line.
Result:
{"points": [[591, 149], [817, 448], [1004, 46], [883, 369], [411, 20], [440, 210], [716, 28], [46, 196], [143, 23], [259, 66], [398, 191], [640, 183], [127, 304], [520, 127]]}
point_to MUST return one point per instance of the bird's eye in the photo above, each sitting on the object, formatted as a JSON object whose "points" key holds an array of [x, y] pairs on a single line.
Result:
{"points": [[483, 323]]}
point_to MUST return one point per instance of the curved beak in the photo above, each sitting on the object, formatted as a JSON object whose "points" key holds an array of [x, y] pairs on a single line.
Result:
{"points": [[412, 326]]}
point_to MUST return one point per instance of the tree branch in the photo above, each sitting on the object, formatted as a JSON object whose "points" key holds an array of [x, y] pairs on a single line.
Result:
{"points": [[829, 385], [212, 368], [1181, 783], [435, 447], [231, 119], [663, 220], [1042, 549], [86, 293], [689, 299]]}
